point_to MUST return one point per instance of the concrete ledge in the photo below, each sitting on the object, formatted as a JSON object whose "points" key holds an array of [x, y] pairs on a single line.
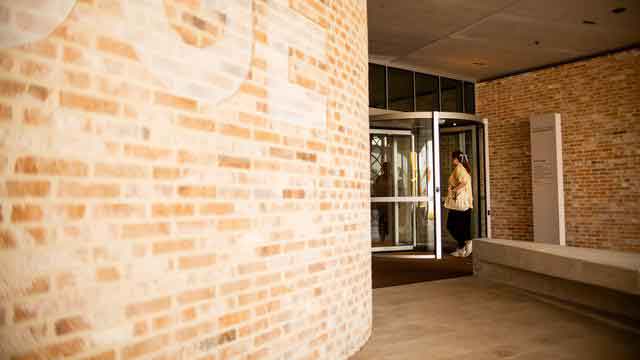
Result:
{"points": [[605, 281]]}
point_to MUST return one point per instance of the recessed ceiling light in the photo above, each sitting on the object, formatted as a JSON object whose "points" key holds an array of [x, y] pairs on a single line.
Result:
{"points": [[588, 22], [619, 10]]}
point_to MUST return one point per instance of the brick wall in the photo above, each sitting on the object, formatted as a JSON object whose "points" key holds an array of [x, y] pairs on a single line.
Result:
{"points": [[184, 179], [599, 101]]}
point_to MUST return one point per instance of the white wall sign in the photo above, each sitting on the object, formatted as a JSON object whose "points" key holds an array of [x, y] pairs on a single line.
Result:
{"points": [[547, 179]]}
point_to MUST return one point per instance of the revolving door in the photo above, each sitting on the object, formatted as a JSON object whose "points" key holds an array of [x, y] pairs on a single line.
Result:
{"points": [[410, 163]]}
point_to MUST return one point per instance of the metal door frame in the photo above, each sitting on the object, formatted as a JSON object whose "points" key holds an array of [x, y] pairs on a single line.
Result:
{"points": [[396, 200]]}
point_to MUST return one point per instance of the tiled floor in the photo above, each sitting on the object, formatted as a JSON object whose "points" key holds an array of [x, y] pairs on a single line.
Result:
{"points": [[465, 318]]}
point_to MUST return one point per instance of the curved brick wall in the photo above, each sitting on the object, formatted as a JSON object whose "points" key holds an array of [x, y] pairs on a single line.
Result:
{"points": [[184, 179]]}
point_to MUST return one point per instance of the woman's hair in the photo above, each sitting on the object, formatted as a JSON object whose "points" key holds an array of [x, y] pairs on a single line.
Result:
{"points": [[463, 158]]}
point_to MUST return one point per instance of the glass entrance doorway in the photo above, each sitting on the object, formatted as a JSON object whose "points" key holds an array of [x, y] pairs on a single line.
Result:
{"points": [[410, 160], [402, 196], [466, 136]]}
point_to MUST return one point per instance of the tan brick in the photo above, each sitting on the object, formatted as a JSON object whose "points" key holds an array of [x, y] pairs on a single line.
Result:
{"points": [[170, 246], [188, 157], [220, 208], [189, 332], [148, 307], [252, 89], [252, 119], [316, 146], [119, 211], [269, 250], [28, 188], [88, 190], [107, 274], [6, 112], [254, 267], [67, 33], [65, 349], [266, 136], [78, 80], [196, 123], [267, 337], [175, 101], [107, 355], [48, 166], [282, 153], [115, 47], [72, 55], [306, 156], [233, 319], [39, 285], [145, 347], [188, 314], [268, 308], [191, 296], [246, 299], [36, 117], [234, 162], [146, 152], [136, 231], [71, 212], [234, 224], [166, 173], [171, 210], [197, 191], [11, 88], [140, 328], [293, 194], [24, 312], [7, 240], [234, 287], [35, 69], [88, 103], [233, 130], [196, 261], [317, 267], [120, 171], [25, 212], [71, 324], [162, 322]]}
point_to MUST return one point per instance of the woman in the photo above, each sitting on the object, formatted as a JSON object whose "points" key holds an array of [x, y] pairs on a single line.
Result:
{"points": [[459, 203]]}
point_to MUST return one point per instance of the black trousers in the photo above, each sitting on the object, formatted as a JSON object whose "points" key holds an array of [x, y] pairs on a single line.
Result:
{"points": [[459, 225]]}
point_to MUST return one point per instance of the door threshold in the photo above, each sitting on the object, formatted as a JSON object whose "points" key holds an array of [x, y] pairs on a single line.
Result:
{"points": [[392, 248]]}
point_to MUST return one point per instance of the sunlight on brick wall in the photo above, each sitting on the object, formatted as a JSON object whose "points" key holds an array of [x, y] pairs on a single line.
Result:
{"points": [[184, 179]]}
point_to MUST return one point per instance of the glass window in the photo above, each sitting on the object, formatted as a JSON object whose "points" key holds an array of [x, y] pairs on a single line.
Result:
{"points": [[377, 86], [451, 91], [469, 98], [427, 93], [400, 89]]}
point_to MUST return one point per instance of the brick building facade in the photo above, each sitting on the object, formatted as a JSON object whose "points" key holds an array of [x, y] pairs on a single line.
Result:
{"points": [[599, 101], [184, 182]]}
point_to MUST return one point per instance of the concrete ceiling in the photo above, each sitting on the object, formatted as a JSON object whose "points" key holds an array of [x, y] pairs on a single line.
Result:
{"points": [[482, 39]]}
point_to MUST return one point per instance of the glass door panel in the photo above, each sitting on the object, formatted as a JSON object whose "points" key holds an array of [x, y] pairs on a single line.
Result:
{"points": [[466, 136], [402, 185], [383, 224], [381, 159]]}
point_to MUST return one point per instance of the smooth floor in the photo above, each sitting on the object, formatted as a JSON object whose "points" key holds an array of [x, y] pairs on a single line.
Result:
{"points": [[467, 318]]}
